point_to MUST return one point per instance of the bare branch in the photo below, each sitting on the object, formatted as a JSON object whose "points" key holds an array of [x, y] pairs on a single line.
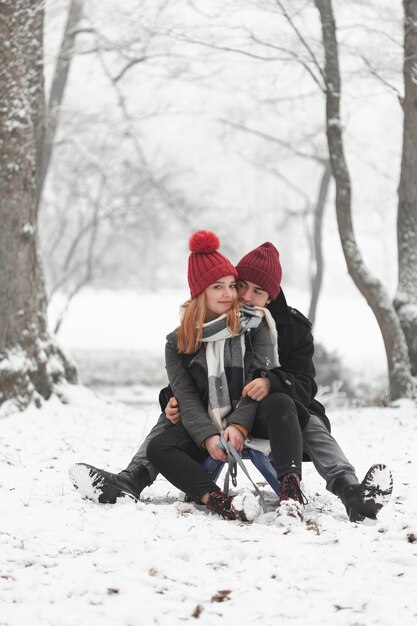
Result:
{"points": [[293, 55], [127, 67], [303, 41], [213, 46], [382, 80], [271, 138], [143, 162]]}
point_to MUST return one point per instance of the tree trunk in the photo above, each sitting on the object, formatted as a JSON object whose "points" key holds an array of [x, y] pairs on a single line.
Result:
{"points": [[56, 96], [30, 361], [317, 279], [406, 297], [399, 368]]}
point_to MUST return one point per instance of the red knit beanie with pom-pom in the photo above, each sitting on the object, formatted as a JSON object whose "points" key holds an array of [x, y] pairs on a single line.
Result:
{"points": [[205, 264]]}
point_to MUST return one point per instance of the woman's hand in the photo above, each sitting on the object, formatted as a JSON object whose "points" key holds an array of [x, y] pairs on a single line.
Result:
{"points": [[236, 438], [216, 453], [172, 411], [257, 389]]}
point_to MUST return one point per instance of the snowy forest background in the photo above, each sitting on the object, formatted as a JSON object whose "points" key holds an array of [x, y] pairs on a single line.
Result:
{"points": [[161, 118], [124, 127]]}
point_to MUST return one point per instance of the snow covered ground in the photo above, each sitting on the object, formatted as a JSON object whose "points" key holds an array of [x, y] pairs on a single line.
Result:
{"points": [[66, 561]]}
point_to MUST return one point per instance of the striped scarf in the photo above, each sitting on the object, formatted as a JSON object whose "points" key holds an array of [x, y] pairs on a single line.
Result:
{"points": [[225, 360]]}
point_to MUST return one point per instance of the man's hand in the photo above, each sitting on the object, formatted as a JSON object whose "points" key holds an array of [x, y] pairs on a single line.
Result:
{"points": [[257, 389], [214, 451], [236, 438], [172, 411]]}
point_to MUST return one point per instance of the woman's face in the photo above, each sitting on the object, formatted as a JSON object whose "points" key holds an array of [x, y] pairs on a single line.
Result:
{"points": [[220, 297]]}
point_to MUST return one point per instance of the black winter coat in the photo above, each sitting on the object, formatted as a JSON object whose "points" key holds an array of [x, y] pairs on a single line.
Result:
{"points": [[296, 374]]}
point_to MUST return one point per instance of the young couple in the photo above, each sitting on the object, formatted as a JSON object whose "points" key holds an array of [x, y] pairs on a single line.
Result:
{"points": [[229, 376]]}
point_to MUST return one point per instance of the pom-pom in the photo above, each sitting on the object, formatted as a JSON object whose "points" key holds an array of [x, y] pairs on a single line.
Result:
{"points": [[204, 241]]}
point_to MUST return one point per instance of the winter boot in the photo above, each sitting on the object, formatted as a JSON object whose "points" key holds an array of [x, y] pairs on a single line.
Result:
{"points": [[367, 498], [104, 487], [291, 498], [222, 504]]}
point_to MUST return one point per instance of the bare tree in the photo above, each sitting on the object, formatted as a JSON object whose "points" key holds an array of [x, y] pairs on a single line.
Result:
{"points": [[100, 165], [399, 368], [56, 96], [406, 297], [30, 361], [316, 209]]}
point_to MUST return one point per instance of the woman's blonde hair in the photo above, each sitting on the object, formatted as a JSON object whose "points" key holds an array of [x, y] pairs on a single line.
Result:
{"points": [[191, 328]]}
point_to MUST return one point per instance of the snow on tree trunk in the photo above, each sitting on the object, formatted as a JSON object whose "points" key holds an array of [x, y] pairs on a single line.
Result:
{"points": [[399, 369], [406, 297], [30, 360]]}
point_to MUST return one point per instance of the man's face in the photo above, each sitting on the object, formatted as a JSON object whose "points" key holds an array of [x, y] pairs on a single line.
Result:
{"points": [[252, 294]]}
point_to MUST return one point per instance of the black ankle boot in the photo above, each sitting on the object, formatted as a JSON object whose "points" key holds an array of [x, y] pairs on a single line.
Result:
{"points": [[367, 498], [106, 487]]}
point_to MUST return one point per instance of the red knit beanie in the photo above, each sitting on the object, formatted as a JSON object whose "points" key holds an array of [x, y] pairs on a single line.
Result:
{"points": [[262, 267], [205, 264]]}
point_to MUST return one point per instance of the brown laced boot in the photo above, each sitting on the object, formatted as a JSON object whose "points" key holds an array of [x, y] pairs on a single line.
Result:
{"points": [[222, 504], [291, 498]]}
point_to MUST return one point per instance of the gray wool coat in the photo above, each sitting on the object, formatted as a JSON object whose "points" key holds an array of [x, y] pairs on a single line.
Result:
{"points": [[188, 379]]}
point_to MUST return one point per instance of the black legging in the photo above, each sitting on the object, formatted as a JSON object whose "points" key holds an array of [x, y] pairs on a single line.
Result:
{"points": [[277, 420], [179, 459]]}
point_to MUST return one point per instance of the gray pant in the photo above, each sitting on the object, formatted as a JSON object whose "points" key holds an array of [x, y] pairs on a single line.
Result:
{"points": [[325, 453], [140, 457], [319, 444]]}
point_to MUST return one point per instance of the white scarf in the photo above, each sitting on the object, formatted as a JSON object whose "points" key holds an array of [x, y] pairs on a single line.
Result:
{"points": [[225, 359]]}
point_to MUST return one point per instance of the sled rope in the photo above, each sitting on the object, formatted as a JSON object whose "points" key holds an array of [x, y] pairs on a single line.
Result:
{"points": [[233, 461]]}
